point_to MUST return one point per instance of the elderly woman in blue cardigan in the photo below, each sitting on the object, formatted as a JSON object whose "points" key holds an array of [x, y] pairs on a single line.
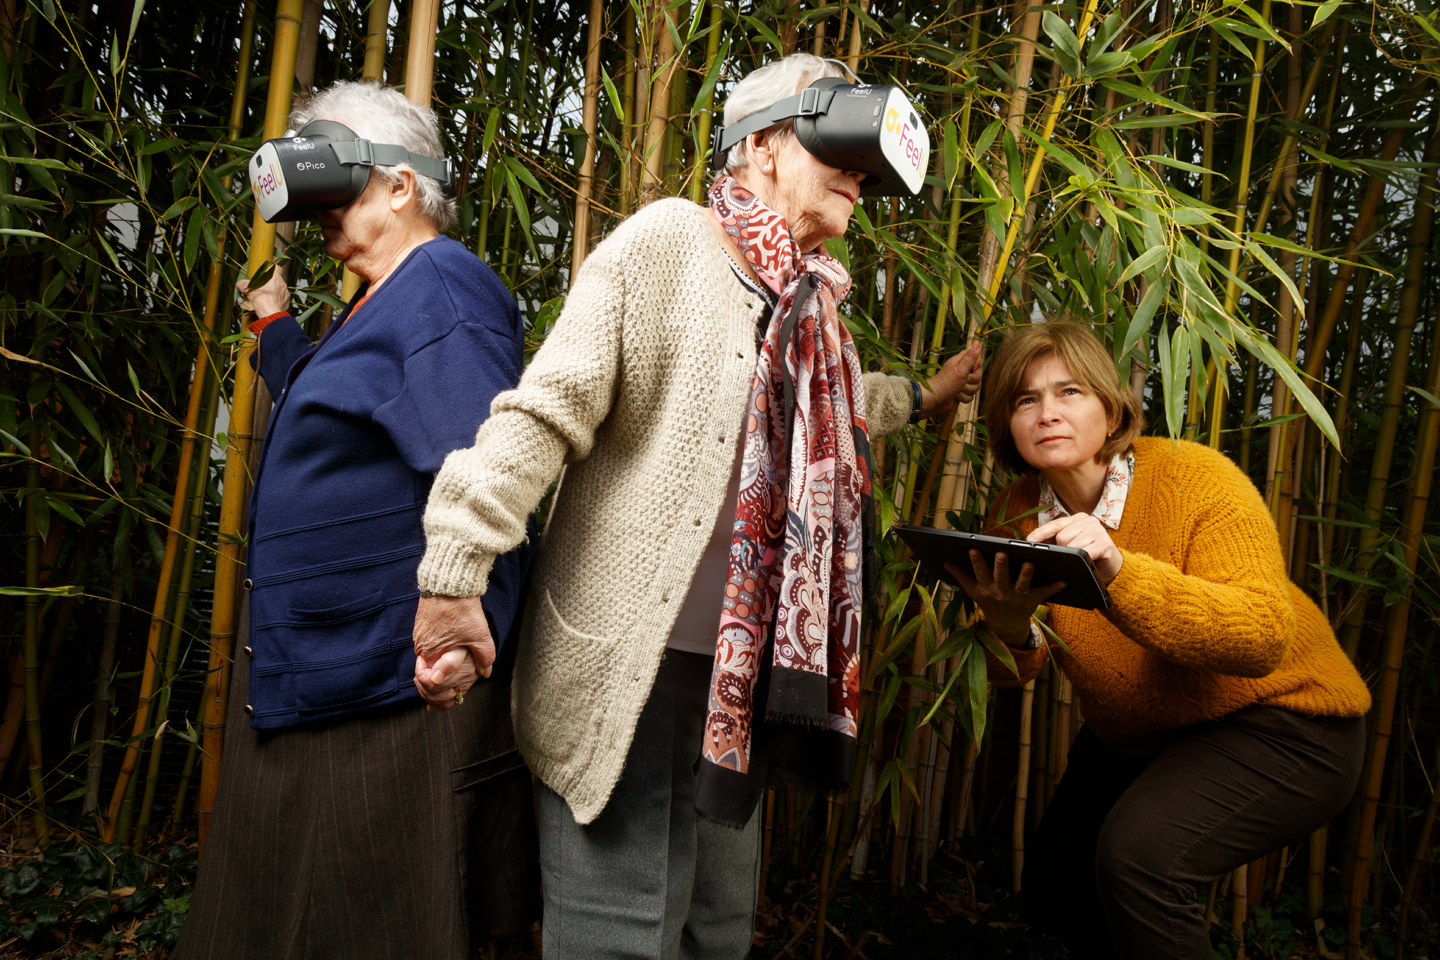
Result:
{"points": [[351, 822]]}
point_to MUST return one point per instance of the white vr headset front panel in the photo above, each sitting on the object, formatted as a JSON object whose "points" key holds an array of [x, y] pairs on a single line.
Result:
{"points": [[904, 141], [267, 182]]}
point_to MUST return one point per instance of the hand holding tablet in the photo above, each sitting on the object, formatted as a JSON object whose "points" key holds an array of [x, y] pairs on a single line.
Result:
{"points": [[1057, 574]]}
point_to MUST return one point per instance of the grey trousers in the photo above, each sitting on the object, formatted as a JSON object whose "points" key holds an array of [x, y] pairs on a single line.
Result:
{"points": [[649, 878]]}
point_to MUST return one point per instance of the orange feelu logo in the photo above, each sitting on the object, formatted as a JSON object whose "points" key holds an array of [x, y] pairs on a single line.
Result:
{"points": [[270, 182], [908, 146]]}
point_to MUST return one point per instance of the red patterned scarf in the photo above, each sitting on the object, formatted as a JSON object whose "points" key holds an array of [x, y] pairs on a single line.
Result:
{"points": [[787, 670]]}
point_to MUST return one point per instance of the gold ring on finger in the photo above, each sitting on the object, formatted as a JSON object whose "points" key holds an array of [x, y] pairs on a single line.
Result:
{"points": [[459, 697]]}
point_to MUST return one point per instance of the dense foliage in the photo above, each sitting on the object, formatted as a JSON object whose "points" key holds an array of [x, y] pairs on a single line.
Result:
{"points": [[1236, 193]]}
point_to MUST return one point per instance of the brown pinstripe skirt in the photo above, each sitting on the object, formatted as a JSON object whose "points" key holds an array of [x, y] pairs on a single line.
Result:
{"points": [[392, 833]]}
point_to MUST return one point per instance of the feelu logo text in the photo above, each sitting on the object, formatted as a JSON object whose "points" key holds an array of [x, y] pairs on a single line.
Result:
{"points": [[908, 145]]}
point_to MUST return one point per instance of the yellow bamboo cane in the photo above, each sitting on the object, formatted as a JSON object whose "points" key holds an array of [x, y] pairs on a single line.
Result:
{"points": [[1017, 216], [1242, 194], [706, 113], [238, 439], [1412, 532], [590, 121], [375, 32], [183, 471]]}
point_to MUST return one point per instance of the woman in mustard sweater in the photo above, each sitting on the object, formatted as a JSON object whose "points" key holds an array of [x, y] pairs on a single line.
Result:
{"points": [[1222, 720]]}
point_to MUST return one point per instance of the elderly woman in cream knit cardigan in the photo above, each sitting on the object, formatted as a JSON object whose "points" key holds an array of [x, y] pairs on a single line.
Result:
{"points": [[692, 620]]}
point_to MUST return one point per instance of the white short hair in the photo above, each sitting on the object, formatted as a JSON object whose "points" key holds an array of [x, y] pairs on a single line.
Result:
{"points": [[381, 114], [770, 84]]}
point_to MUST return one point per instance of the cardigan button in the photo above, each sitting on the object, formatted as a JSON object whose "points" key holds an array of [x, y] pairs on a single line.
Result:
{"points": [[248, 584], [249, 651], [697, 521], [249, 710]]}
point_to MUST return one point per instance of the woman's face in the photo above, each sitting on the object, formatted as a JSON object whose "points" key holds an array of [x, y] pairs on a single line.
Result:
{"points": [[1058, 423], [815, 199], [351, 230]]}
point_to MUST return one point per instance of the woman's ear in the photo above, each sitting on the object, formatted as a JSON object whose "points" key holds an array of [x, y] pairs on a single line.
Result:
{"points": [[760, 150], [403, 190]]}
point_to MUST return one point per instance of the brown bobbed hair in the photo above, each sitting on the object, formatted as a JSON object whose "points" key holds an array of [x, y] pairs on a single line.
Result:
{"points": [[1088, 361]]}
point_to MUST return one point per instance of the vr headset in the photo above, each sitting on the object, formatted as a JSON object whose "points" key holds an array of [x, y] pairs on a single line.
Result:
{"points": [[850, 126], [323, 167]]}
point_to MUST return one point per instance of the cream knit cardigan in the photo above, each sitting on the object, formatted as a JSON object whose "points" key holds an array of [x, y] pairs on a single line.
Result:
{"points": [[640, 388]]}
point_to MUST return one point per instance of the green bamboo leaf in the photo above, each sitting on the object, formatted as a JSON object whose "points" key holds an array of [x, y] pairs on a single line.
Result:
{"points": [[1136, 92], [1283, 276], [178, 207], [998, 650], [944, 695], [1150, 258], [18, 232], [64, 509], [16, 442], [109, 462], [82, 413], [766, 34], [1265, 351], [135, 20], [518, 199], [1145, 313], [69, 591], [1066, 44], [1426, 394], [1326, 11], [707, 86], [950, 153], [134, 380], [525, 175]]}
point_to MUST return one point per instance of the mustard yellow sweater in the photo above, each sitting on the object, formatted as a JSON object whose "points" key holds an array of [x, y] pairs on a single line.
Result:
{"points": [[1204, 620]]}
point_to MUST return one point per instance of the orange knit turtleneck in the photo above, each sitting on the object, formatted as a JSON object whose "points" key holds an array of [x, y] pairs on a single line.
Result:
{"points": [[1204, 620]]}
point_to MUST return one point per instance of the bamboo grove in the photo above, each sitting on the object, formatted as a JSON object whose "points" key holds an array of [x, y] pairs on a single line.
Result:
{"points": [[1238, 194]]}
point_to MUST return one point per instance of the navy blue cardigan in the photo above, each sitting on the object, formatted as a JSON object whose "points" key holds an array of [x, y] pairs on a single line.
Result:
{"points": [[361, 423]]}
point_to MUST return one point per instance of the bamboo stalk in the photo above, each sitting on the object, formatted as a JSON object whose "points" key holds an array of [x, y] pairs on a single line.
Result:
{"points": [[100, 710], [1394, 397], [377, 26], [1424, 857], [591, 112], [1022, 787], [1062, 727], [238, 442], [667, 59], [704, 111], [1037, 160], [32, 634], [853, 59], [1397, 622], [420, 53], [195, 510]]}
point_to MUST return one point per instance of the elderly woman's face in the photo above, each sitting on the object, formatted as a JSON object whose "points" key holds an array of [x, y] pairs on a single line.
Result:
{"points": [[816, 199], [1058, 423], [355, 227]]}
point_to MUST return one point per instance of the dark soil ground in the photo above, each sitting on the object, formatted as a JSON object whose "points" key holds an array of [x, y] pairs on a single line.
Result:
{"points": [[86, 900]]}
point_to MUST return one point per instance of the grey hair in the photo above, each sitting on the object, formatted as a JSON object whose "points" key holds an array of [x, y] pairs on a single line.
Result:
{"points": [[381, 114], [771, 83]]}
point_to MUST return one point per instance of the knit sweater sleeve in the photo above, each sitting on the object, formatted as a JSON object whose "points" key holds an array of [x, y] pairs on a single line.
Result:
{"points": [[888, 403], [483, 494], [1227, 608]]}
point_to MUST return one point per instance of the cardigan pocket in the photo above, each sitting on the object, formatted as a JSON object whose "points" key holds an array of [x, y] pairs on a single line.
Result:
{"points": [[371, 677]]}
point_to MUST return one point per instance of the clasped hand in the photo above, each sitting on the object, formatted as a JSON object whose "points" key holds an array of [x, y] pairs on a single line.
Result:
{"points": [[1008, 605], [453, 648]]}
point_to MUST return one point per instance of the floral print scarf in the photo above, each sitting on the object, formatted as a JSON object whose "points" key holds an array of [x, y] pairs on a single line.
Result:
{"points": [[785, 683]]}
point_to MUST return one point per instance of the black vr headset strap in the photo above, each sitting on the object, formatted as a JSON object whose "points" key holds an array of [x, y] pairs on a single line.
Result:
{"points": [[812, 101], [367, 154]]}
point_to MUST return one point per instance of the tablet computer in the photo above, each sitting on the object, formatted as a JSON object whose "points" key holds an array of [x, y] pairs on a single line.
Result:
{"points": [[935, 548]]}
